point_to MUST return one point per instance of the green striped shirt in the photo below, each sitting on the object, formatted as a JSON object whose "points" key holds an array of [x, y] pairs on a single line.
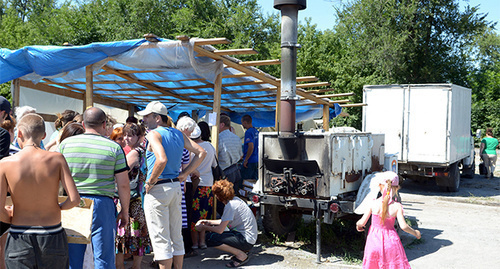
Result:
{"points": [[93, 161]]}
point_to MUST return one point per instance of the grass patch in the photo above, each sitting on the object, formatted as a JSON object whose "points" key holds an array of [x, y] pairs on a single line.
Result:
{"points": [[339, 238]]}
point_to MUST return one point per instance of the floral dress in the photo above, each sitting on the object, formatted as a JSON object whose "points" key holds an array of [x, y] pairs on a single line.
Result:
{"points": [[134, 238], [203, 205]]}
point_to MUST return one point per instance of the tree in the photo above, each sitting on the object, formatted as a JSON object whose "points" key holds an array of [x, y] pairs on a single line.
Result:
{"points": [[485, 83], [405, 41]]}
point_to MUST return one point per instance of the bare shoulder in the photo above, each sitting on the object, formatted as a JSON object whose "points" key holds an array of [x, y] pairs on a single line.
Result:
{"points": [[56, 156], [153, 133]]}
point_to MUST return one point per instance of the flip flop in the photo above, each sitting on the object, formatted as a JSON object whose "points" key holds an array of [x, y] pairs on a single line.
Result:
{"points": [[235, 260]]}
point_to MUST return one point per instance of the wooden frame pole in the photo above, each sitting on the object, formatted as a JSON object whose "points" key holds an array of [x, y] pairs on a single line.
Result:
{"points": [[131, 110], [217, 109], [88, 101], [326, 118], [17, 91], [215, 128]]}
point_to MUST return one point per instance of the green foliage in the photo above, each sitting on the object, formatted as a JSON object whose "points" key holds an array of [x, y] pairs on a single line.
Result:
{"points": [[5, 91], [485, 83], [373, 41]]}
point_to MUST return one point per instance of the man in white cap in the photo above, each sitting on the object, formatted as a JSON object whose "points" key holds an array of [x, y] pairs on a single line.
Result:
{"points": [[162, 202]]}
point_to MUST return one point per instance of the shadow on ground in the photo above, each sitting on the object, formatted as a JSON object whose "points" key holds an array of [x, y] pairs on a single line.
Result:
{"points": [[428, 244]]}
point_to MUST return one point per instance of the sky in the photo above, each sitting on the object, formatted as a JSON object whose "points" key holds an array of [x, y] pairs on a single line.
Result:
{"points": [[322, 12]]}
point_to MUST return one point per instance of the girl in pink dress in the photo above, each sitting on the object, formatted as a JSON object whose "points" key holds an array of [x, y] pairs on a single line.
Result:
{"points": [[383, 247]]}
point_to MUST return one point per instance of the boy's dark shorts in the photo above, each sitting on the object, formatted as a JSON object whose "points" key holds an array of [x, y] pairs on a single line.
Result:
{"points": [[230, 238], [37, 247]]}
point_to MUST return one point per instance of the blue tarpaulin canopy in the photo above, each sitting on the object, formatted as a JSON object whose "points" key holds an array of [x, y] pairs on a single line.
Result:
{"points": [[180, 74]]}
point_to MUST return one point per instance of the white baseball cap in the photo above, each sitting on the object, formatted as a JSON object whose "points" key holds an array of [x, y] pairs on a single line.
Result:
{"points": [[154, 107]]}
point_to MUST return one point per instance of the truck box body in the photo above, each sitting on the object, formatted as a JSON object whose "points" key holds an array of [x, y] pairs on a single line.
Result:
{"points": [[424, 124]]}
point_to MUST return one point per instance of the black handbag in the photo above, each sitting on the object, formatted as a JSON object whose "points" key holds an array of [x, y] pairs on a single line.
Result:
{"points": [[482, 169], [217, 171]]}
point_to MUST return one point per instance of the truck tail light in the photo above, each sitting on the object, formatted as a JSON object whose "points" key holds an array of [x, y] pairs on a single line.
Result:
{"points": [[334, 207], [255, 199], [438, 174]]}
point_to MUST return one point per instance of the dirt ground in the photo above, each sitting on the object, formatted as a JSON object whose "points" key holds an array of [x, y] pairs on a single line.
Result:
{"points": [[459, 230]]}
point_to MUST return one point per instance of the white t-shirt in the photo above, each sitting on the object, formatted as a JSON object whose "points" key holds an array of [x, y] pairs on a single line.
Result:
{"points": [[241, 219], [205, 168]]}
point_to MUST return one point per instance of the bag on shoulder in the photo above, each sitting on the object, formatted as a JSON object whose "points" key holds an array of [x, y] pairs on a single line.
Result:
{"points": [[217, 171]]}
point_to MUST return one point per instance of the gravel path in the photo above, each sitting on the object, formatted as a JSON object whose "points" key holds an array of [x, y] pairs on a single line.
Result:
{"points": [[459, 230]]}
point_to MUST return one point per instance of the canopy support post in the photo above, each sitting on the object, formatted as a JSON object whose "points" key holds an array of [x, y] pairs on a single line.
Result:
{"points": [[194, 115], [88, 101], [131, 110], [216, 110], [326, 118], [17, 92], [215, 128]]}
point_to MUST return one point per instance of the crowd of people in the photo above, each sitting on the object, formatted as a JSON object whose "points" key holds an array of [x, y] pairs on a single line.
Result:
{"points": [[151, 184]]}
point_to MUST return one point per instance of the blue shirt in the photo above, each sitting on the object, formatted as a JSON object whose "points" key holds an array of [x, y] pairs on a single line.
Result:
{"points": [[251, 136], [172, 141]]}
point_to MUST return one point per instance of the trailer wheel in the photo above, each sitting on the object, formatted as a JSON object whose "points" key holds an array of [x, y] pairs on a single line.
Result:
{"points": [[279, 221], [452, 182], [468, 172]]}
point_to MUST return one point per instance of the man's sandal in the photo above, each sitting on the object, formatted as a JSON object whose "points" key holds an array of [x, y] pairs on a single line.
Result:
{"points": [[235, 260]]}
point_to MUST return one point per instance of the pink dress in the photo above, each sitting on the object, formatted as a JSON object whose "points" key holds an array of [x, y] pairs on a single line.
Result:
{"points": [[383, 247]]}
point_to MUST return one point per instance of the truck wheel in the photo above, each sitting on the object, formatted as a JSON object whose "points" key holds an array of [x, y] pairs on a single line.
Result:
{"points": [[454, 178], [279, 221], [452, 182]]}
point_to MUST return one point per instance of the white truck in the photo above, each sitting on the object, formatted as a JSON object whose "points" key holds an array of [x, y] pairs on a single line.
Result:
{"points": [[427, 125]]}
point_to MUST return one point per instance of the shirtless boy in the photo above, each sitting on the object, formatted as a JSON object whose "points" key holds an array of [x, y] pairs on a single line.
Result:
{"points": [[32, 176]]}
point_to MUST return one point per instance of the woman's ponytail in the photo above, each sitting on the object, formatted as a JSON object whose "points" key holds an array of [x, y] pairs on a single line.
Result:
{"points": [[385, 200]]}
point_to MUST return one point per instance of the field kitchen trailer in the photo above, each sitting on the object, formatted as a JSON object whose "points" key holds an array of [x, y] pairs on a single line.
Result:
{"points": [[314, 172], [427, 126]]}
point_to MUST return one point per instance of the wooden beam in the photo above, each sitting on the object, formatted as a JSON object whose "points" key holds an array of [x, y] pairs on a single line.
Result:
{"points": [[239, 75], [339, 101], [255, 73], [353, 105], [89, 88], [304, 79], [128, 82], [133, 72], [216, 110], [194, 115], [336, 95], [326, 118], [212, 41], [319, 91], [253, 97], [48, 117], [261, 62], [151, 87], [71, 94], [17, 92], [316, 84], [51, 89], [131, 110], [235, 52]]}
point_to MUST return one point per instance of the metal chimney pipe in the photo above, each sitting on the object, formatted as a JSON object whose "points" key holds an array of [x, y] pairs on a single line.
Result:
{"points": [[289, 17]]}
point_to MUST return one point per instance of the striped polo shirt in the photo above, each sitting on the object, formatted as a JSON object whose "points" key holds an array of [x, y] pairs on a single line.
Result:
{"points": [[93, 161]]}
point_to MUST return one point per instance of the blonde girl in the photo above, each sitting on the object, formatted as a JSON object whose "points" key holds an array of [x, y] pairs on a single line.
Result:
{"points": [[383, 247]]}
